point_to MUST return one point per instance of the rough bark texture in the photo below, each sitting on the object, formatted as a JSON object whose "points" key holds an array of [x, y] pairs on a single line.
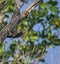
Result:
{"points": [[14, 22]]}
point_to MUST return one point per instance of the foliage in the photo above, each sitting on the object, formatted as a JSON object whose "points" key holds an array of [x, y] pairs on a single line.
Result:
{"points": [[45, 14]]}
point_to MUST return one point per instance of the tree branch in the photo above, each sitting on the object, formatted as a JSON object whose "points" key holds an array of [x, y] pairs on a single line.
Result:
{"points": [[2, 4], [14, 22]]}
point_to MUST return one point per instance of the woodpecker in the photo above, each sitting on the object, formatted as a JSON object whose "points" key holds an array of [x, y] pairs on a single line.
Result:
{"points": [[16, 34]]}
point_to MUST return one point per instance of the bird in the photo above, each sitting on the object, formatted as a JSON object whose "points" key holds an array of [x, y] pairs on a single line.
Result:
{"points": [[16, 34]]}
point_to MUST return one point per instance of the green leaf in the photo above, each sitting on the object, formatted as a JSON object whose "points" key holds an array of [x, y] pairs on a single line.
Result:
{"points": [[11, 8], [25, 23], [53, 9], [13, 47], [16, 55], [51, 46], [53, 3], [43, 5], [29, 59], [1, 50], [42, 60]]}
